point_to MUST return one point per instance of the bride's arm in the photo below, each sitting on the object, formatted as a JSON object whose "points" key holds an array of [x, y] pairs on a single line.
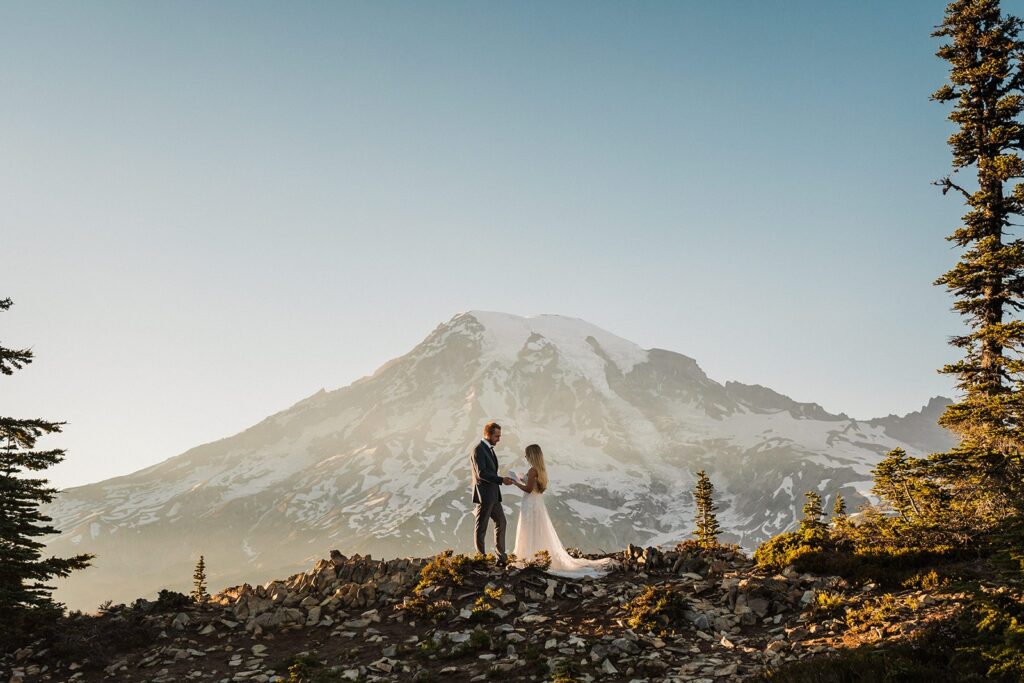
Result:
{"points": [[531, 481]]}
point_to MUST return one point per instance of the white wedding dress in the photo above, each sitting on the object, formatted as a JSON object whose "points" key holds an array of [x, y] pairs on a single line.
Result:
{"points": [[535, 533]]}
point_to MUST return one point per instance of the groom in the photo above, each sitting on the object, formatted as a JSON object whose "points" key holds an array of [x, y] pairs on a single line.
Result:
{"points": [[486, 494]]}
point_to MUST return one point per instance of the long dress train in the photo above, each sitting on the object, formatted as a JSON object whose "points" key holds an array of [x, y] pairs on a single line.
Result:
{"points": [[535, 533]]}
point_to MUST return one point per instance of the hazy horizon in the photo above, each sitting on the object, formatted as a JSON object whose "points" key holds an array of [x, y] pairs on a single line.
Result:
{"points": [[216, 210]]}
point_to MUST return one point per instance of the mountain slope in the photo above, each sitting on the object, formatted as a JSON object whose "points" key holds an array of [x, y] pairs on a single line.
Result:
{"points": [[381, 466]]}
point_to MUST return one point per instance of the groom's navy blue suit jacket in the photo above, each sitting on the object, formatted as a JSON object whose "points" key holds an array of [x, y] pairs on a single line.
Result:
{"points": [[486, 482]]}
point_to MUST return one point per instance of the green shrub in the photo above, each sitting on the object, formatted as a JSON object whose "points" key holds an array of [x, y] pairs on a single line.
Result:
{"points": [[535, 661], [448, 569], [883, 551], [889, 567], [20, 626], [483, 606], [658, 609], [792, 547], [308, 669], [1007, 548], [983, 643], [100, 638], [479, 641], [829, 602], [172, 601], [564, 671], [430, 648], [862, 665], [874, 613], [926, 581], [306, 660], [541, 560], [999, 619], [779, 552], [423, 607]]}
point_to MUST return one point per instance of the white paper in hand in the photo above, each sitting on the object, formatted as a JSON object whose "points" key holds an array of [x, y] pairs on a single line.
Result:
{"points": [[515, 477]]}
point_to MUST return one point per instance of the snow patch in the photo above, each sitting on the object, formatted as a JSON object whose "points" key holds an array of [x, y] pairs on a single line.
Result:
{"points": [[592, 512], [787, 486], [505, 336]]}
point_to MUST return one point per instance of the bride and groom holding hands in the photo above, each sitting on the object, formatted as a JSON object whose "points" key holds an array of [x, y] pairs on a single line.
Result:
{"points": [[534, 532]]}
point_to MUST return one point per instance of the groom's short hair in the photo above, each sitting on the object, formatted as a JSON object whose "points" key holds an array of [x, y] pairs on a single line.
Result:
{"points": [[491, 427]]}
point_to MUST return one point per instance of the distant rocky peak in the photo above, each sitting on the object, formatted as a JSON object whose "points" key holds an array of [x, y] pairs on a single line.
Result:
{"points": [[918, 428]]}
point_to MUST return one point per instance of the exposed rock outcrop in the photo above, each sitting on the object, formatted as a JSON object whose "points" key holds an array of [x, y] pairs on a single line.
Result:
{"points": [[356, 615]]}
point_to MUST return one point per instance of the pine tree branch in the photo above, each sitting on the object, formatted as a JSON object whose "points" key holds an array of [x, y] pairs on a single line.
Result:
{"points": [[947, 184], [14, 359]]}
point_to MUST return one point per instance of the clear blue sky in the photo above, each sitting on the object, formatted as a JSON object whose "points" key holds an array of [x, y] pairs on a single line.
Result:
{"points": [[211, 210]]}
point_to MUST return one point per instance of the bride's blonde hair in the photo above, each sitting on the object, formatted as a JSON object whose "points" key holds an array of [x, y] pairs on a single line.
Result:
{"points": [[535, 456]]}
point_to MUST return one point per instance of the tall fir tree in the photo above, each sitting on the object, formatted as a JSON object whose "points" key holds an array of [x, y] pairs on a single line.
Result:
{"points": [[896, 484], [840, 522], [23, 570], [708, 529], [199, 593], [839, 508], [812, 526], [985, 83]]}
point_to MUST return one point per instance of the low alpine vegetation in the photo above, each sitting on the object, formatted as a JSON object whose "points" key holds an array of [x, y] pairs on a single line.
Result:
{"points": [[449, 569], [658, 609]]}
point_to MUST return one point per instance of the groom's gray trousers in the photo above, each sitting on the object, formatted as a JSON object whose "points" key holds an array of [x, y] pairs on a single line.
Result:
{"points": [[487, 499], [489, 511]]}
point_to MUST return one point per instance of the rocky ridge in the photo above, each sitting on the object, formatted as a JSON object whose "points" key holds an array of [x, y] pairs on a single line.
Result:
{"points": [[350, 618]]}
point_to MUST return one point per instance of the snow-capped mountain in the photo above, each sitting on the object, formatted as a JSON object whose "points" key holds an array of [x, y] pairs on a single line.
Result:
{"points": [[381, 466]]}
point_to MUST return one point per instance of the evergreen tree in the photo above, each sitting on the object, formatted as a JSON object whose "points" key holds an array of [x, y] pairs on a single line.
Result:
{"points": [[896, 483], [23, 571], [812, 527], [199, 593], [707, 530], [839, 508], [985, 83]]}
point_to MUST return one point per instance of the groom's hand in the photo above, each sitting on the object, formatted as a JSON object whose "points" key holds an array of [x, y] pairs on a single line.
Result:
{"points": [[507, 481]]}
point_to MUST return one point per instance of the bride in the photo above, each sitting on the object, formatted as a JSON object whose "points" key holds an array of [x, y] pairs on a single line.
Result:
{"points": [[536, 533]]}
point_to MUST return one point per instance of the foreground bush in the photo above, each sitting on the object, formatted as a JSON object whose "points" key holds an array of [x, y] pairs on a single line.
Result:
{"points": [[423, 607], [985, 642], [658, 609], [890, 568], [309, 669], [97, 639], [783, 550], [540, 560], [448, 569], [897, 665], [998, 616]]}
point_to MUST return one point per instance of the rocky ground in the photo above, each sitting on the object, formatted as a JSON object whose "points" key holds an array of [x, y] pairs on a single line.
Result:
{"points": [[359, 619]]}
